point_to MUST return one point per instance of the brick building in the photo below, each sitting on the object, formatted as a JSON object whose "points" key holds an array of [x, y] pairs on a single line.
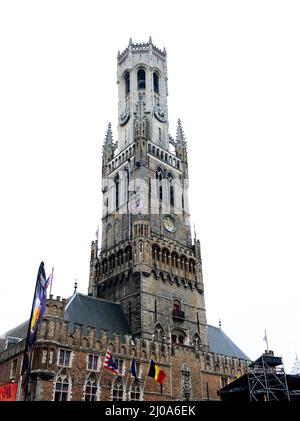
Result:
{"points": [[145, 293]]}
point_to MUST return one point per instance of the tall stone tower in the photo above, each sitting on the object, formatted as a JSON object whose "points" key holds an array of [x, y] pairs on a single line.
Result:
{"points": [[147, 260]]}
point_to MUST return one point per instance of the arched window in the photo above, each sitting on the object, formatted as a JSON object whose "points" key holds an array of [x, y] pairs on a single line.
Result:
{"points": [[196, 341], [135, 392], [174, 259], [176, 305], [172, 196], [62, 386], [117, 183], [183, 262], [91, 388], [159, 177], [156, 82], [178, 337], [118, 390], [155, 252], [141, 79], [126, 184], [165, 256], [192, 265], [158, 332], [127, 83], [128, 253], [171, 189]]}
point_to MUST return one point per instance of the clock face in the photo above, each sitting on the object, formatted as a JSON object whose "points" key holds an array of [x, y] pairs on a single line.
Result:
{"points": [[124, 117], [160, 114], [169, 223]]}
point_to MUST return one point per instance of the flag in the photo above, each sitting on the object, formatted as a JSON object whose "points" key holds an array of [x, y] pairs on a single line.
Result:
{"points": [[37, 311], [132, 369], [156, 372], [39, 303], [8, 392], [110, 364]]}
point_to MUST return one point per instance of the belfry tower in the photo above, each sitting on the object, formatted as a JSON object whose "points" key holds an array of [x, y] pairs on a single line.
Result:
{"points": [[147, 260]]}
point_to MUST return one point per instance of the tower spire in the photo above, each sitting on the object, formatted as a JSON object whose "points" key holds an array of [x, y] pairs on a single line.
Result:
{"points": [[109, 146], [180, 136], [109, 136]]}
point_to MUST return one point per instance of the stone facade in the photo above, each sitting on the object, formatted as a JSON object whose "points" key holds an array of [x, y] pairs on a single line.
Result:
{"points": [[207, 372], [147, 262]]}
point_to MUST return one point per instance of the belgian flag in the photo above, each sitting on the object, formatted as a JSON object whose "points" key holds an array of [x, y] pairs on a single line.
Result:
{"points": [[156, 372]]}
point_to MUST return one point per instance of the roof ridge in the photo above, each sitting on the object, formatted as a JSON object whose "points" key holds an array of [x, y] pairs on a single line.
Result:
{"points": [[96, 298]]}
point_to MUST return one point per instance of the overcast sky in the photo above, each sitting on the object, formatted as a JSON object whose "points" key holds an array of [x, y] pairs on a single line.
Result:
{"points": [[233, 70]]}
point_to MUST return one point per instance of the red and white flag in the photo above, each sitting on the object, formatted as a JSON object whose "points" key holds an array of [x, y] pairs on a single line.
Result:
{"points": [[110, 364]]}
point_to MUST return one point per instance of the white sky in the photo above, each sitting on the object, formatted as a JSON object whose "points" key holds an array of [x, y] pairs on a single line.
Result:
{"points": [[233, 80]]}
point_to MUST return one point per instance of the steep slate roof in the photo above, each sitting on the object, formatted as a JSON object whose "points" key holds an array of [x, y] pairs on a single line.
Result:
{"points": [[98, 313], [109, 316], [18, 332], [219, 343]]}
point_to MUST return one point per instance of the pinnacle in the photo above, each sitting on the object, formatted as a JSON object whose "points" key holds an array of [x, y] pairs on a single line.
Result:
{"points": [[180, 136], [108, 136]]}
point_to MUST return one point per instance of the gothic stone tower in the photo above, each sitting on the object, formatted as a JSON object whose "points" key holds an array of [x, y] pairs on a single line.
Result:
{"points": [[147, 260]]}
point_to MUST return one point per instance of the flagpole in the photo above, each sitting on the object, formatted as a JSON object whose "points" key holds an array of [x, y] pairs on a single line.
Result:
{"points": [[126, 383], [146, 378], [50, 292], [100, 376], [101, 372], [266, 339]]}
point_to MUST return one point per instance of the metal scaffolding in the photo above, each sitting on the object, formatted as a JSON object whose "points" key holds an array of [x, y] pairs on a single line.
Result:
{"points": [[267, 379]]}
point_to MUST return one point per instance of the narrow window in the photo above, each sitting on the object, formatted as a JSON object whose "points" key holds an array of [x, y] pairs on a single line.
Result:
{"points": [[117, 191], [118, 392], [90, 392], [93, 362], [160, 193], [120, 364], [172, 195], [159, 134], [156, 82], [127, 83], [13, 369], [141, 79], [62, 387], [64, 357], [135, 392]]}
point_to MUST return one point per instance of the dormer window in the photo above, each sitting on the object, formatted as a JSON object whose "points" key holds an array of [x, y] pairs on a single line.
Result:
{"points": [[156, 82], [141, 79], [127, 83]]}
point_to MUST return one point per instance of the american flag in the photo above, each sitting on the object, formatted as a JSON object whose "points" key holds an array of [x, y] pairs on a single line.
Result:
{"points": [[110, 364]]}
